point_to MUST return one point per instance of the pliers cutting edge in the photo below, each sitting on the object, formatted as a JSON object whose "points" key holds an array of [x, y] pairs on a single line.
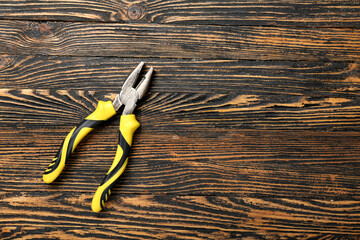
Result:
{"points": [[128, 125]]}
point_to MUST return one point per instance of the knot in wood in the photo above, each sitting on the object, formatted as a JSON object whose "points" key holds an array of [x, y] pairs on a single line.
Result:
{"points": [[134, 12], [41, 28]]}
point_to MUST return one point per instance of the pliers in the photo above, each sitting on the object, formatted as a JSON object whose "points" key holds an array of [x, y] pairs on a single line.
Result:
{"points": [[128, 125]]}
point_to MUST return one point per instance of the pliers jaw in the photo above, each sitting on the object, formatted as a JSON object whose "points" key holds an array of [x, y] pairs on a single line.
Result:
{"points": [[130, 95]]}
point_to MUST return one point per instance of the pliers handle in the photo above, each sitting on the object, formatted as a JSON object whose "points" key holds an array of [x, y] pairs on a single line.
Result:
{"points": [[103, 112], [128, 125]]}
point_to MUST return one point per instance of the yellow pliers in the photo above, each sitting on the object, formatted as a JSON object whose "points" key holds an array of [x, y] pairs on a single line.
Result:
{"points": [[128, 125]]}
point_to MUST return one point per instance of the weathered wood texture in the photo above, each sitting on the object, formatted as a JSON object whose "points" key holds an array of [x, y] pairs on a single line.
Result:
{"points": [[177, 217], [190, 41], [247, 94], [233, 151], [208, 12], [250, 129], [286, 78], [244, 162]]}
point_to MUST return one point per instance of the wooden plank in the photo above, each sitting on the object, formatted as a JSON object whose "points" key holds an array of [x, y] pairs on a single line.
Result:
{"points": [[311, 79], [189, 110], [214, 12], [169, 41], [68, 216], [253, 163]]}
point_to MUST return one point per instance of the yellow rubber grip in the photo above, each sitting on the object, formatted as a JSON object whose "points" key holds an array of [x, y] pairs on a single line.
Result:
{"points": [[128, 125], [103, 111]]}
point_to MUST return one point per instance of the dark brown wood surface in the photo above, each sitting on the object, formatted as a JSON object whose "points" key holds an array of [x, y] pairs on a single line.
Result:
{"points": [[250, 129]]}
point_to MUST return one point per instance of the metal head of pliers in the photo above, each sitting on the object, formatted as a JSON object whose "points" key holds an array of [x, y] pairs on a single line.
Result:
{"points": [[130, 95]]}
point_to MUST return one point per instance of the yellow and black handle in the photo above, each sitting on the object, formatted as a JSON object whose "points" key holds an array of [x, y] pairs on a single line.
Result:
{"points": [[128, 125], [103, 112]]}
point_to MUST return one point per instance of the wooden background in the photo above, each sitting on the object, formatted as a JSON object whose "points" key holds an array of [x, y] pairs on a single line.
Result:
{"points": [[250, 128]]}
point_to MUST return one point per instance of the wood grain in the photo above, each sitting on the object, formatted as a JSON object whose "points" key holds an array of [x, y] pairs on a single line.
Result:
{"points": [[176, 156], [169, 41], [250, 129], [214, 12], [66, 216], [259, 78], [189, 111]]}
